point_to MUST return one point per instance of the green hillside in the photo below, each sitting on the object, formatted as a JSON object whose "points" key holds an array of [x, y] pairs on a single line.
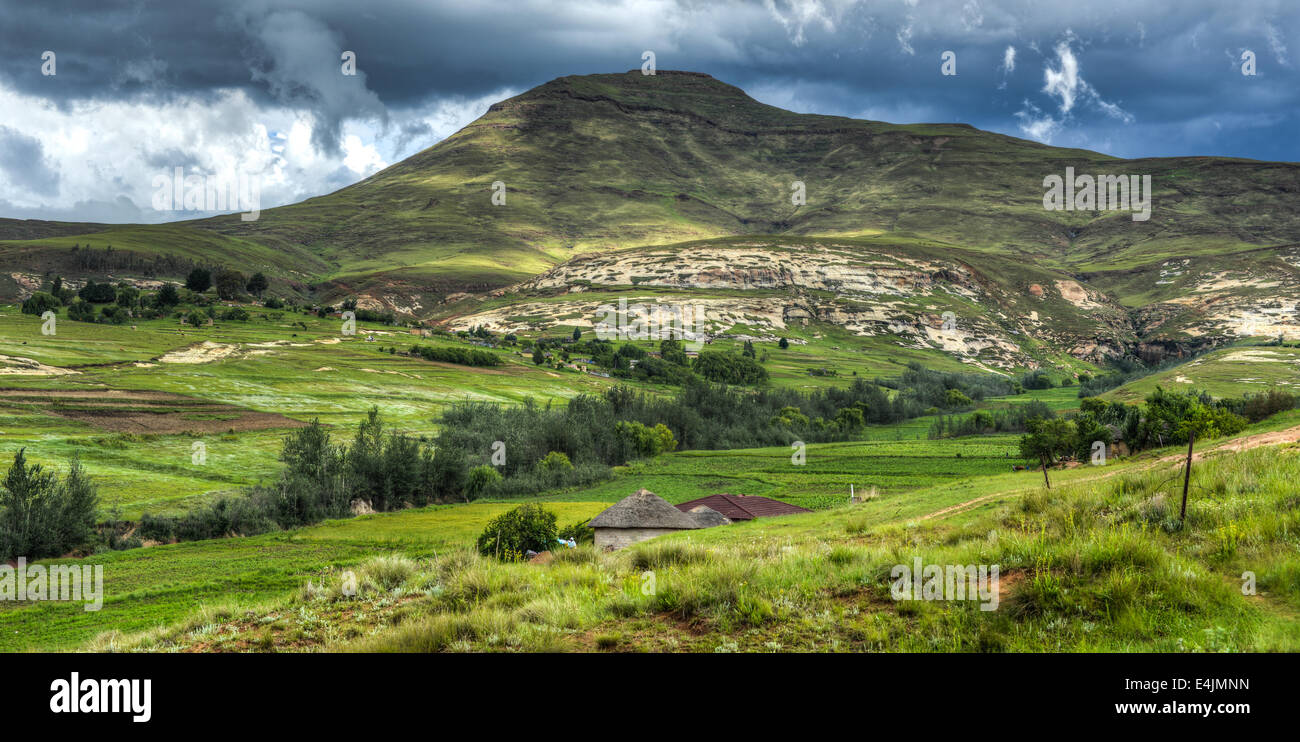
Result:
{"points": [[597, 163]]}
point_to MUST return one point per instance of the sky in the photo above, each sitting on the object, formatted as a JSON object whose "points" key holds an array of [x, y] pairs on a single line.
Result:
{"points": [[102, 101]]}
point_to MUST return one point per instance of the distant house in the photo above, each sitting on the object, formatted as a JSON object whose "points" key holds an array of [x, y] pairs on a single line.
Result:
{"points": [[743, 507], [644, 515]]}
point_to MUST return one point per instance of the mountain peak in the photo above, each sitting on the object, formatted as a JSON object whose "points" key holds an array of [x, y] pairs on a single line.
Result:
{"points": [[679, 90]]}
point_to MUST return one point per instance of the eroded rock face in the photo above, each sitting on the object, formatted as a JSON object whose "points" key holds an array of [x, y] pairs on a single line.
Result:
{"points": [[922, 303]]}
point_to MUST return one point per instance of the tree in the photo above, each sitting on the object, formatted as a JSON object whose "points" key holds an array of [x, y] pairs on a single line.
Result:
{"points": [[748, 350], [784, 344], [81, 311], [1046, 440], [39, 303], [538, 356], [196, 319], [257, 284], [481, 479], [98, 293], [555, 464], [168, 296], [230, 284], [199, 280], [1202, 422], [577, 334], [41, 516]]}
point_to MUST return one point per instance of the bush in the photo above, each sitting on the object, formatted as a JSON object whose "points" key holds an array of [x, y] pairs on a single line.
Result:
{"points": [[509, 535], [480, 481], [81, 311], [40, 302]]}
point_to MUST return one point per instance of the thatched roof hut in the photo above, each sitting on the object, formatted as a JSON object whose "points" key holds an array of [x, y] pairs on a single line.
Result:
{"points": [[644, 515]]}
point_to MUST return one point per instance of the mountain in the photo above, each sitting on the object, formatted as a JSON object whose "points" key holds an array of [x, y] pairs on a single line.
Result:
{"points": [[612, 170]]}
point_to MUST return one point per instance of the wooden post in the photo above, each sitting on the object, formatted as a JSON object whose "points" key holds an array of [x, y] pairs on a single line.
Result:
{"points": [[1047, 481], [1187, 475]]}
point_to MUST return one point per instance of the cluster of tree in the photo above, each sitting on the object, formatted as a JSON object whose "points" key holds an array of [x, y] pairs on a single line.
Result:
{"points": [[118, 304], [670, 366], [109, 260], [385, 469], [231, 284], [924, 388], [1165, 418], [595, 433], [455, 354], [1014, 419], [44, 515]]}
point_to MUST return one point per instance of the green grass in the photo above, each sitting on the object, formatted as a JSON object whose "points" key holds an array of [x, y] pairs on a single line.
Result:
{"points": [[1094, 566], [1230, 372]]}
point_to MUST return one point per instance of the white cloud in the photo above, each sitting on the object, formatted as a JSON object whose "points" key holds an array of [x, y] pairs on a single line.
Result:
{"points": [[1276, 43], [103, 156], [1065, 83]]}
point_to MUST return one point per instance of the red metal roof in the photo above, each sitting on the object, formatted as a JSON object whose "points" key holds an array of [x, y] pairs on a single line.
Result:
{"points": [[743, 507]]}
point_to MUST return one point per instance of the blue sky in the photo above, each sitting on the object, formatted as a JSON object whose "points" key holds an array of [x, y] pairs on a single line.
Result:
{"points": [[255, 86]]}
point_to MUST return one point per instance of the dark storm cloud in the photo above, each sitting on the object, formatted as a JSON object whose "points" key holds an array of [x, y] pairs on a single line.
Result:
{"points": [[1128, 77], [22, 162]]}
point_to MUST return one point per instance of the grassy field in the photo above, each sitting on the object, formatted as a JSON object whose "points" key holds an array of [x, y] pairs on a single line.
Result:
{"points": [[150, 589], [1091, 565], [1230, 372], [238, 387]]}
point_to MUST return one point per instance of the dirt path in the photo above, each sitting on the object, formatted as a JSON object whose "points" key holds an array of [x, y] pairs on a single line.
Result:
{"points": [[1290, 435], [1277, 437]]}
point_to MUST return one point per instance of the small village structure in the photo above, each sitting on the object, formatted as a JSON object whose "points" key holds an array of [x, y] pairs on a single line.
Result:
{"points": [[644, 515], [744, 507]]}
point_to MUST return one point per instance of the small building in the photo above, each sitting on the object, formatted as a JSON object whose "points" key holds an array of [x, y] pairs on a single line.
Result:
{"points": [[644, 515], [743, 507]]}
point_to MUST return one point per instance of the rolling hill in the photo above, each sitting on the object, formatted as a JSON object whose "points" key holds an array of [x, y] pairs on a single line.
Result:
{"points": [[681, 185]]}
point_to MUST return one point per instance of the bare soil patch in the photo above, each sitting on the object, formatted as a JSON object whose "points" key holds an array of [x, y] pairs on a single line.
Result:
{"points": [[126, 411]]}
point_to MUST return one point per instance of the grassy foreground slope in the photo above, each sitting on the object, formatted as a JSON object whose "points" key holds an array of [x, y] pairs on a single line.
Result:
{"points": [[1094, 564]]}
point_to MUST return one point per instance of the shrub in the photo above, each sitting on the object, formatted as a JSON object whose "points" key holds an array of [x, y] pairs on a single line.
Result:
{"points": [[81, 311], [40, 302], [481, 480], [509, 535], [579, 532]]}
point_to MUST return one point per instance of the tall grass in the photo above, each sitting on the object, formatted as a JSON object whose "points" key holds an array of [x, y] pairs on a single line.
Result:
{"points": [[1089, 567]]}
